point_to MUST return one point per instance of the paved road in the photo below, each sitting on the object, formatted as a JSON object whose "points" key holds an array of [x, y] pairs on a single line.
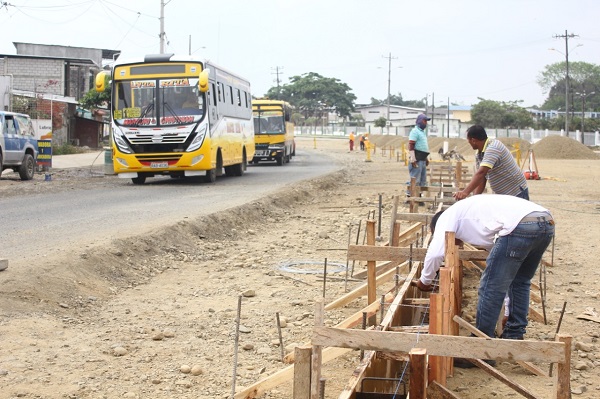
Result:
{"points": [[75, 219]]}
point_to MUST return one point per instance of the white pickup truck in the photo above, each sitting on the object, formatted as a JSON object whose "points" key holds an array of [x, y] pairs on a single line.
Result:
{"points": [[18, 145]]}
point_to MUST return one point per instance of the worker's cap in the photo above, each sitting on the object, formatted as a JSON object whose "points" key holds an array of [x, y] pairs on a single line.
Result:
{"points": [[422, 117]]}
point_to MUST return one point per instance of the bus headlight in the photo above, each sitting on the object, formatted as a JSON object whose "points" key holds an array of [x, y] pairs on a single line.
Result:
{"points": [[121, 142], [198, 140]]}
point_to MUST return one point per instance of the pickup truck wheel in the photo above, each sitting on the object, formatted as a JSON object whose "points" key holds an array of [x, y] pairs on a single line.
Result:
{"points": [[1, 168], [27, 168]]}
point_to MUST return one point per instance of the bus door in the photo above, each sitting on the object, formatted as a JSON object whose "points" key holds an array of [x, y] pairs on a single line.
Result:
{"points": [[212, 104]]}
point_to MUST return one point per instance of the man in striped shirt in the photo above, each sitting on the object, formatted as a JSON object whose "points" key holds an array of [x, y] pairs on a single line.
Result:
{"points": [[495, 163]]}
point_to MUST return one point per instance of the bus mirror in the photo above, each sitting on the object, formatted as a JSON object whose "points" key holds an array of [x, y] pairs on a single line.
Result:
{"points": [[102, 81], [203, 81]]}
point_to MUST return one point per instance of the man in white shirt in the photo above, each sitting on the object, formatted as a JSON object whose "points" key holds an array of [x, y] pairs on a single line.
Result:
{"points": [[516, 232]]}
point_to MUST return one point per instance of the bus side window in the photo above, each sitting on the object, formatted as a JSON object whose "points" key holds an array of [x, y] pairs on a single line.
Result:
{"points": [[246, 98], [214, 94], [231, 94], [239, 98], [219, 90]]}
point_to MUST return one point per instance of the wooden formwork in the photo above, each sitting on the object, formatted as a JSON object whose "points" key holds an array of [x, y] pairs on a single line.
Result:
{"points": [[418, 336], [430, 355]]}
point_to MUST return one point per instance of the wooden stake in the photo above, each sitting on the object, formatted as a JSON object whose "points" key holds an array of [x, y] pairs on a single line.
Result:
{"points": [[371, 275], [302, 354], [562, 383], [418, 373], [315, 370]]}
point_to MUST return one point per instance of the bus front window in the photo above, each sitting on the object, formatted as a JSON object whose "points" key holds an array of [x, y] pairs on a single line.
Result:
{"points": [[181, 101], [270, 122], [134, 103]]}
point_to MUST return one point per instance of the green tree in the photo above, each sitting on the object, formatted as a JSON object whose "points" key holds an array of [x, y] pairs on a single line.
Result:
{"points": [[396, 99], [583, 78], [94, 100], [314, 95], [494, 114], [380, 122]]}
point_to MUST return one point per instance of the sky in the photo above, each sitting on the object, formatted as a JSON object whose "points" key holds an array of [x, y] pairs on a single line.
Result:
{"points": [[441, 50]]}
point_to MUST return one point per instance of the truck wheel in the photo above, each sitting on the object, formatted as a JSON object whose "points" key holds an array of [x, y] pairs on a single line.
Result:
{"points": [[27, 168]]}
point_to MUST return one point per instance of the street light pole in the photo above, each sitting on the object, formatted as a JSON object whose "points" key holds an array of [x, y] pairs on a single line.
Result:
{"points": [[583, 97]]}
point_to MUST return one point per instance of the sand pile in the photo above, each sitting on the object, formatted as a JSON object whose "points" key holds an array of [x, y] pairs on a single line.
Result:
{"points": [[558, 147], [551, 147]]}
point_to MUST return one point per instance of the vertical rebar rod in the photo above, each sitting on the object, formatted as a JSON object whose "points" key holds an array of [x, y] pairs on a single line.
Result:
{"points": [[382, 306], [397, 278], [347, 258], [379, 225], [322, 388], [235, 348], [562, 313], [280, 337], [364, 326], [324, 277], [357, 239]]}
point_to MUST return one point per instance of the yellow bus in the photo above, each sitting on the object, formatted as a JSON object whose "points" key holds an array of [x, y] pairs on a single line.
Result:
{"points": [[273, 131], [178, 116]]}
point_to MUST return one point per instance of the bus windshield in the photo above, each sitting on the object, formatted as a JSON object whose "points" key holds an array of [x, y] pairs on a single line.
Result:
{"points": [[268, 122], [157, 102]]}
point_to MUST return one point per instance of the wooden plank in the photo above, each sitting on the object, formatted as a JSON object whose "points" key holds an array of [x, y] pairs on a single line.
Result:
{"points": [[371, 275], [526, 365], [359, 291], [379, 269], [395, 306], [396, 356], [415, 217], [349, 391], [441, 345], [535, 315], [437, 391], [418, 373], [317, 350], [302, 354], [421, 329], [416, 301], [438, 372], [350, 322], [562, 382], [282, 376], [395, 234], [502, 378], [400, 254]]}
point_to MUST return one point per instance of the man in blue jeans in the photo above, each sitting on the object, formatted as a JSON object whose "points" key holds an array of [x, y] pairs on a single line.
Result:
{"points": [[418, 151], [516, 232]]}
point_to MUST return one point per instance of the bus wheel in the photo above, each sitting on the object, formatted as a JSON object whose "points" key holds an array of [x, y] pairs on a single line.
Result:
{"points": [[138, 180], [279, 160], [211, 176]]}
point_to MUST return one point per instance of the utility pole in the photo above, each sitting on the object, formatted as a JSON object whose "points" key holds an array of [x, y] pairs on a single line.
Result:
{"points": [[448, 117], [162, 27], [566, 36], [389, 57], [278, 71]]}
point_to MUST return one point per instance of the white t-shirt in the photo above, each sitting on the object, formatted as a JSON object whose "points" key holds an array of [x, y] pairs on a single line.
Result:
{"points": [[476, 220]]}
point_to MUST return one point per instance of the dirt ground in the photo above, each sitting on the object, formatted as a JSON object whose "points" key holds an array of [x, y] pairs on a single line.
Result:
{"points": [[154, 316]]}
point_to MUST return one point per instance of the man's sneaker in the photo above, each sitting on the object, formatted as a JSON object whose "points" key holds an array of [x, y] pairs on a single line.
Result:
{"points": [[465, 364]]}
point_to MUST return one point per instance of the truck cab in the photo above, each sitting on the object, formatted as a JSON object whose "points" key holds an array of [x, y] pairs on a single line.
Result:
{"points": [[18, 144]]}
